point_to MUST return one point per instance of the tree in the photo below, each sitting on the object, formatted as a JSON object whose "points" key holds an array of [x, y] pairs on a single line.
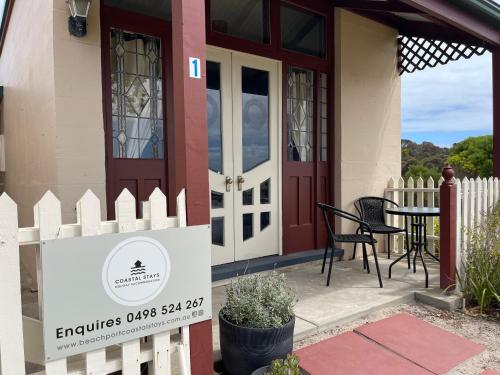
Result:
{"points": [[472, 157], [422, 160], [419, 170]]}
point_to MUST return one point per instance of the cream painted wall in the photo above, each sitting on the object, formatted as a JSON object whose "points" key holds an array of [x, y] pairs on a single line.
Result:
{"points": [[28, 116], [52, 110], [52, 115], [80, 151], [367, 109]]}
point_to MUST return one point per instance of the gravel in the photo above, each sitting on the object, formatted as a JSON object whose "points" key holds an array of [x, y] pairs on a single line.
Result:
{"points": [[481, 330]]}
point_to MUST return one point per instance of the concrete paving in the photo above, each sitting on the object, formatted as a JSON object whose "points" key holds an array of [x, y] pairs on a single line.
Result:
{"points": [[352, 293]]}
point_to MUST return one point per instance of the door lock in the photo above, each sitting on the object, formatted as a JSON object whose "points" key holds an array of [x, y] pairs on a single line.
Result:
{"points": [[241, 180], [229, 182]]}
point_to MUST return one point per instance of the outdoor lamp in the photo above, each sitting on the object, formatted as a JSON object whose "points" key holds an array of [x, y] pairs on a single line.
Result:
{"points": [[77, 22]]}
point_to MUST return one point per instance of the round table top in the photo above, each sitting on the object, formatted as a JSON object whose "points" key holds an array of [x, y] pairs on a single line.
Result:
{"points": [[413, 211]]}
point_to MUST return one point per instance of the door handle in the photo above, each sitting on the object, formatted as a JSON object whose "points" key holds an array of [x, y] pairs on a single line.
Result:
{"points": [[241, 180], [229, 182]]}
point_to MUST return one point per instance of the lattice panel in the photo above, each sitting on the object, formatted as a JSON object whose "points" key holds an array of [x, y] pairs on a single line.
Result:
{"points": [[416, 53]]}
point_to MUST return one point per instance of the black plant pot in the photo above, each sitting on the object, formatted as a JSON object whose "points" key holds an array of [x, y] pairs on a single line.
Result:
{"points": [[245, 349]]}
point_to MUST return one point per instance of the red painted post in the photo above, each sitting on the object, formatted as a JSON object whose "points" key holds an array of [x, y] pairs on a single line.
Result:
{"points": [[448, 228], [496, 111], [191, 142]]}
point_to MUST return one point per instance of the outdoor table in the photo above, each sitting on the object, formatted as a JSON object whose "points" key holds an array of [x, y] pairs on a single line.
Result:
{"points": [[417, 216]]}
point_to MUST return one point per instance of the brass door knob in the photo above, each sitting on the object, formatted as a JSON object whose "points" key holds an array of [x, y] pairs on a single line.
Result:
{"points": [[241, 180], [229, 182]]}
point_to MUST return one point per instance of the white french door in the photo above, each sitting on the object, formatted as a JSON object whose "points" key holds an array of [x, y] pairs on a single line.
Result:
{"points": [[243, 125]]}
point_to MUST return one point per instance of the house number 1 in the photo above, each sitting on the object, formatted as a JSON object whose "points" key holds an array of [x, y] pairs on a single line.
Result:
{"points": [[194, 67]]}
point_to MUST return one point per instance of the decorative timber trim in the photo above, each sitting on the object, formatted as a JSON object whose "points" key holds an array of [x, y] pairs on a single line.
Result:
{"points": [[415, 53]]}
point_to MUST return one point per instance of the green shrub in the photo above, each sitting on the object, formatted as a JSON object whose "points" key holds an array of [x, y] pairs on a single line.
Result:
{"points": [[259, 301], [287, 366], [481, 264]]}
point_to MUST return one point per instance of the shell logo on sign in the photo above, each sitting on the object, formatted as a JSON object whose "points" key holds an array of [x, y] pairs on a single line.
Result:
{"points": [[136, 271]]}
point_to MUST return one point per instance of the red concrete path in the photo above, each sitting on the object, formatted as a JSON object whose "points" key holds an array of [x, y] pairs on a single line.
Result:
{"points": [[490, 372], [431, 347], [351, 354]]}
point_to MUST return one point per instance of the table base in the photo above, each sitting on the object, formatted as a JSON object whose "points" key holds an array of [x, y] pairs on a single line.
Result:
{"points": [[418, 245]]}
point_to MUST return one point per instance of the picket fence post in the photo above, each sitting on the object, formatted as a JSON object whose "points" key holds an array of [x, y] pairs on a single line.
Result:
{"points": [[161, 341], [88, 210], [48, 218], [465, 200], [458, 231], [431, 219], [11, 327], [184, 348], [126, 218], [448, 227]]}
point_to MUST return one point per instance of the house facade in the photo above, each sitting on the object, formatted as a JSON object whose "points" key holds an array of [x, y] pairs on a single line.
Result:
{"points": [[98, 112], [259, 108], [302, 104]]}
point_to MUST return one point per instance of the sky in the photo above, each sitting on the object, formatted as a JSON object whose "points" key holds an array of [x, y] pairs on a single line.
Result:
{"points": [[448, 103]]}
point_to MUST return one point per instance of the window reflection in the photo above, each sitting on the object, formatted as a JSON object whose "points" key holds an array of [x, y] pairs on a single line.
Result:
{"points": [[302, 31], [255, 106], [247, 19], [214, 117]]}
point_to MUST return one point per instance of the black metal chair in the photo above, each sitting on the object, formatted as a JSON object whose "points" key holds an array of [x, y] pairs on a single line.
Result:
{"points": [[371, 210], [365, 237]]}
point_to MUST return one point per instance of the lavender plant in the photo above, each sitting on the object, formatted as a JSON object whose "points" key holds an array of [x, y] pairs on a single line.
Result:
{"points": [[259, 301]]}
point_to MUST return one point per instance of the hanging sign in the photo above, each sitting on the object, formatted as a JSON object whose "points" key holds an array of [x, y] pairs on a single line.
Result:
{"points": [[194, 67], [105, 290]]}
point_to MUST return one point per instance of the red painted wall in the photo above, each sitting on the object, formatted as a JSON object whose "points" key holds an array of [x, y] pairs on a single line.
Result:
{"points": [[191, 141]]}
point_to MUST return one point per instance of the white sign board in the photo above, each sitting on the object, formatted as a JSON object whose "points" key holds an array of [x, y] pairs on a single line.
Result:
{"points": [[194, 67], [104, 290]]}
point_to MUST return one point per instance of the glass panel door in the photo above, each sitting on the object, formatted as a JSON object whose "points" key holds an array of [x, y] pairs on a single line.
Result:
{"points": [[255, 140], [220, 154], [243, 126]]}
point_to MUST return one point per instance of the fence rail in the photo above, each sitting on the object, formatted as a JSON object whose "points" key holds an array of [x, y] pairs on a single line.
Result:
{"points": [[156, 350], [475, 198]]}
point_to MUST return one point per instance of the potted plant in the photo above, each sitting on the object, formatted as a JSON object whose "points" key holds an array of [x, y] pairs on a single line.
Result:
{"points": [[286, 366], [256, 323]]}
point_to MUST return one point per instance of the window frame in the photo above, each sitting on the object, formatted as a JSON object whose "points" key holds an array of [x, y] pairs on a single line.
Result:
{"points": [[304, 10]]}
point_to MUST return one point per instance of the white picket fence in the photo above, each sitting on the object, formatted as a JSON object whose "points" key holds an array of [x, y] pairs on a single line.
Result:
{"points": [[20, 337], [475, 197]]}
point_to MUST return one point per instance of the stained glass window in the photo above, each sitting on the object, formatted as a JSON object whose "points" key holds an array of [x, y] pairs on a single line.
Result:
{"points": [[136, 85], [300, 107], [323, 116]]}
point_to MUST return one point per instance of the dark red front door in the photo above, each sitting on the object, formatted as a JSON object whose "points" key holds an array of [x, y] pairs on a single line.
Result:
{"points": [[305, 157], [135, 52]]}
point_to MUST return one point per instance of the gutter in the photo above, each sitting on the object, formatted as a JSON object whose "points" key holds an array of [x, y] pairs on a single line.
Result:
{"points": [[487, 10]]}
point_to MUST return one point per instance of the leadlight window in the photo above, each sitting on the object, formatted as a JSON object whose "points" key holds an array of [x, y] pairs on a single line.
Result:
{"points": [[323, 116], [300, 109], [303, 31], [137, 96], [246, 19]]}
